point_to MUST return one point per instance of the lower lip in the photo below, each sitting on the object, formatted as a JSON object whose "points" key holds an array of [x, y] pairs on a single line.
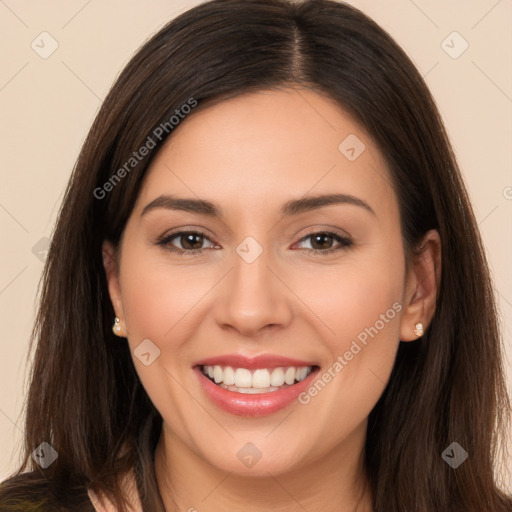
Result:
{"points": [[260, 404]]}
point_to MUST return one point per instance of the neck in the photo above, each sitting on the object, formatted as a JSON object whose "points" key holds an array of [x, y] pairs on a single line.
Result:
{"points": [[334, 482]]}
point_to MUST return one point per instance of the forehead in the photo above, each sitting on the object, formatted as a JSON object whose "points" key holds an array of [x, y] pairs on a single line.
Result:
{"points": [[263, 148]]}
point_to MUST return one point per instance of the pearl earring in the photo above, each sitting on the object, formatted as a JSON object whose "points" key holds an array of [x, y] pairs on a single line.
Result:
{"points": [[116, 328], [419, 329]]}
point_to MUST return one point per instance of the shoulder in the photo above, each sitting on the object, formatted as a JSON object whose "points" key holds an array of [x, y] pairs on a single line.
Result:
{"points": [[32, 492]]}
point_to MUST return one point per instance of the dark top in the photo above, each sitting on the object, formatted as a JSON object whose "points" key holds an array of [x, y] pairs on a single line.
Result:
{"points": [[32, 492]]}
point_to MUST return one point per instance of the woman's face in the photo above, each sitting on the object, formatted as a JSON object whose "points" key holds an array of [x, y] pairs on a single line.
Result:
{"points": [[255, 289]]}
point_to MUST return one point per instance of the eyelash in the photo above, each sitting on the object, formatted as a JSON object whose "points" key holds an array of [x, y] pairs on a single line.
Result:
{"points": [[345, 243]]}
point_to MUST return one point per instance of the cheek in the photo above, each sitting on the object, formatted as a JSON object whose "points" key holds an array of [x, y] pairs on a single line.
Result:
{"points": [[368, 309], [360, 297], [363, 308], [157, 296], [156, 299]]}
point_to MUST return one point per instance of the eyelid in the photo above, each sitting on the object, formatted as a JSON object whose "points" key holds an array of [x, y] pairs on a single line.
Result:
{"points": [[313, 230]]}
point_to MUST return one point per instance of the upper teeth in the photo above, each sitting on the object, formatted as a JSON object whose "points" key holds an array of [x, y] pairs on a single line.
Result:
{"points": [[260, 378]]}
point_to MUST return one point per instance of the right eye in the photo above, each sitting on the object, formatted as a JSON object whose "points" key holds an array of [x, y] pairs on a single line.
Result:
{"points": [[187, 240]]}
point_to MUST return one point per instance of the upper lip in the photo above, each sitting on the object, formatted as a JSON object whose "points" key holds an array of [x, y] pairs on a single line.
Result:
{"points": [[254, 362]]}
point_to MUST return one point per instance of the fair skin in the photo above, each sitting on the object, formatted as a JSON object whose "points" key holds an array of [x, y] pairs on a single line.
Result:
{"points": [[250, 155]]}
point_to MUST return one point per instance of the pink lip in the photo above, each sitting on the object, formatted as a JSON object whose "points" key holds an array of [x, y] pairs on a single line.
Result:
{"points": [[253, 363], [253, 405]]}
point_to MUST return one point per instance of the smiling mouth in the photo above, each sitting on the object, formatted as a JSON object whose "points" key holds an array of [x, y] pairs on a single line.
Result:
{"points": [[260, 380]]}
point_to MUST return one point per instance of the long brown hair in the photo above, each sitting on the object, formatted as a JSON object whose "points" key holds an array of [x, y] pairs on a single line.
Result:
{"points": [[85, 397]]}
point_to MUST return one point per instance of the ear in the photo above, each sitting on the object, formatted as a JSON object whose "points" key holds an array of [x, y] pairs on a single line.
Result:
{"points": [[110, 264], [421, 287]]}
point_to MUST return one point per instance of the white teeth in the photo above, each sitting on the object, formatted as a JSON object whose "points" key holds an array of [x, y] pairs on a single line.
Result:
{"points": [[261, 379], [257, 381], [229, 376], [217, 374], [277, 377], [301, 373], [289, 376], [242, 378]]}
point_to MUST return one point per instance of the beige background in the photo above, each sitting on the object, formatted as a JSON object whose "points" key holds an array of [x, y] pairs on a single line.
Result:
{"points": [[47, 106]]}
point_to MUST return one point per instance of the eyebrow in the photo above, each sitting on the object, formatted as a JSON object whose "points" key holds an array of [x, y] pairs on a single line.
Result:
{"points": [[290, 208]]}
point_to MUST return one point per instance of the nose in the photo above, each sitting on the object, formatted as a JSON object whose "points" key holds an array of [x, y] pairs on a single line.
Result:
{"points": [[252, 298]]}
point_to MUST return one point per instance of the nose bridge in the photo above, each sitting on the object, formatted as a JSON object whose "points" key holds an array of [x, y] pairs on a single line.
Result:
{"points": [[252, 296]]}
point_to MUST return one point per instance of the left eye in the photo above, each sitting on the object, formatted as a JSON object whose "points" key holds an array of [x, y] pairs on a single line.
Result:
{"points": [[321, 238]]}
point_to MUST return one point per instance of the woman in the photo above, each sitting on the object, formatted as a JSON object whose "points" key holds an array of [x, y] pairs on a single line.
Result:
{"points": [[266, 289]]}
